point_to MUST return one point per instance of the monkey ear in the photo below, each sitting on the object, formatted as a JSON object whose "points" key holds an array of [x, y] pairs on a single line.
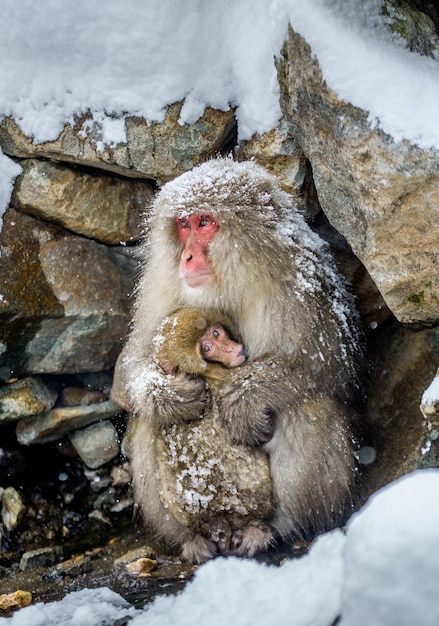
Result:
{"points": [[202, 364], [201, 322]]}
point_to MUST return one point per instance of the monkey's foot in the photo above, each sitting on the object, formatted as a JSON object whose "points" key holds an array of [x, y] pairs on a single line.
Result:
{"points": [[254, 538], [198, 550]]}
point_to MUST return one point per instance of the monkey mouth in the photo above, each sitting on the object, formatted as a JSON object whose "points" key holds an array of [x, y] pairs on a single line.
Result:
{"points": [[244, 355], [197, 280], [239, 359]]}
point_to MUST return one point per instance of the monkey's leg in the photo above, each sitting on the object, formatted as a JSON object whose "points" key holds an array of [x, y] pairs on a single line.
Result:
{"points": [[313, 467], [198, 550], [254, 538]]}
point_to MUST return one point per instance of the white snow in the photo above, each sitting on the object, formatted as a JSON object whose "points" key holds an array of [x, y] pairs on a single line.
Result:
{"points": [[383, 572], [391, 564], [9, 170], [62, 59], [88, 607], [59, 60], [431, 395]]}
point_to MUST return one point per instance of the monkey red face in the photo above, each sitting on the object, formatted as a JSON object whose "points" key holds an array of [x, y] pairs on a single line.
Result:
{"points": [[216, 345], [196, 232]]}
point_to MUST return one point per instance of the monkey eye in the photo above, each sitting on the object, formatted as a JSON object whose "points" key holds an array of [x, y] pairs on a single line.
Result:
{"points": [[206, 348], [204, 221], [216, 332], [184, 223]]}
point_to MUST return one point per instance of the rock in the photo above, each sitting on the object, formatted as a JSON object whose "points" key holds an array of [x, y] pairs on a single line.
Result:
{"points": [[120, 476], [159, 151], [43, 557], [105, 499], [415, 26], [370, 303], [75, 396], [279, 152], [97, 444], [141, 568], [74, 567], [59, 421], [98, 478], [121, 505], [134, 555], [101, 519], [106, 208], [59, 316], [382, 196], [13, 509], [404, 364], [16, 600], [21, 398]]}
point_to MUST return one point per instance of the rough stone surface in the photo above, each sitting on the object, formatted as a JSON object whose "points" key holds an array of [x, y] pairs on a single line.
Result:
{"points": [[24, 397], [404, 363], [43, 557], [107, 208], [64, 303], [416, 26], [97, 444], [13, 509], [280, 154], [15, 600], [383, 197], [56, 423], [155, 151]]}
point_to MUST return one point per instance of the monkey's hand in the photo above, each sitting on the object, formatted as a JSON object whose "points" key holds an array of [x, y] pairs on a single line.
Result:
{"points": [[166, 399], [250, 400]]}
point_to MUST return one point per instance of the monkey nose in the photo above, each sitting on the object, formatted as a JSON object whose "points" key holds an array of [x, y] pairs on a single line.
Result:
{"points": [[187, 255]]}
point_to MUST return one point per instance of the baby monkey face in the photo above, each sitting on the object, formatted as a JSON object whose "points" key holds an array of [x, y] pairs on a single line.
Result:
{"points": [[217, 345]]}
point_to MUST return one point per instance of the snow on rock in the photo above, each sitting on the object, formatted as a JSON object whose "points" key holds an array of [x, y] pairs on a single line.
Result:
{"points": [[365, 64], [9, 170], [140, 56]]}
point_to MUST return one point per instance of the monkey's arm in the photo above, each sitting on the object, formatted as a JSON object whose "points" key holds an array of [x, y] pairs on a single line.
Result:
{"points": [[169, 398], [250, 400]]}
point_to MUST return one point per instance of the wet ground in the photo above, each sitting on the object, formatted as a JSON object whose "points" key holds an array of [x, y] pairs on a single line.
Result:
{"points": [[105, 566], [96, 568]]}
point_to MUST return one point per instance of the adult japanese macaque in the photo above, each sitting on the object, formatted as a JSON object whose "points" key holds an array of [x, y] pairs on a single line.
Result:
{"points": [[220, 491], [225, 237]]}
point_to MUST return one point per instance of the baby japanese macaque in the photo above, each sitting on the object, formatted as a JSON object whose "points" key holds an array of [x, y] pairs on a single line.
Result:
{"points": [[199, 342], [199, 488]]}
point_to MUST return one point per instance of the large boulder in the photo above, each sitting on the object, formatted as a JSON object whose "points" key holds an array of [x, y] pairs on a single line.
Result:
{"points": [[403, 363], [158, 151], [65, 299], [381, 195], [107, 208]]}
